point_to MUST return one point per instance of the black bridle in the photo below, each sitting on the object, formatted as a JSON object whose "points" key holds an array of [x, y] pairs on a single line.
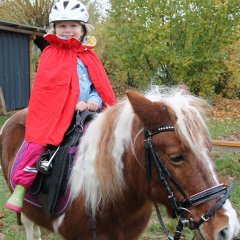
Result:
{"points": [[180, 208]]}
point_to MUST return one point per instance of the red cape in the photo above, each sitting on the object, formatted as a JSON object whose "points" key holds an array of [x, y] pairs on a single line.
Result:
{"points": [[56, 89]]}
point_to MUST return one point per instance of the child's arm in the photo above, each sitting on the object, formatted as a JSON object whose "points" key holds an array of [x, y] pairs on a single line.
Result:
{"points": [[92, 106], [81, 106], [94, 101]]}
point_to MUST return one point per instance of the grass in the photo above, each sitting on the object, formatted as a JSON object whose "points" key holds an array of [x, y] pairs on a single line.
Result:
{"points": [[227, 165], [223, 128]]}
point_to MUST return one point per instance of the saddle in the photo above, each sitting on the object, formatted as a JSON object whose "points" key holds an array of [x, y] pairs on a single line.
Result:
{"points": [[56, 163]]}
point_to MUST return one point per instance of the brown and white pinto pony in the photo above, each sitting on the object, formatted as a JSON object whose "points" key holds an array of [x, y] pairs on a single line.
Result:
{"points": [[109, 174]]}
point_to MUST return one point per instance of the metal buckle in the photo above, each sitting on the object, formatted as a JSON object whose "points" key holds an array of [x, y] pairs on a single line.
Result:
{"points": [[205, 219]]}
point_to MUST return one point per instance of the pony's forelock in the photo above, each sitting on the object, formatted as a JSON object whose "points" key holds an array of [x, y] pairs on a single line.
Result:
{"points": [[190, 112]]}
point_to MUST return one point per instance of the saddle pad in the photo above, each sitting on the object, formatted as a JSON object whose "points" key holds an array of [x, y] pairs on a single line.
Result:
{"points": [[63, 201]]}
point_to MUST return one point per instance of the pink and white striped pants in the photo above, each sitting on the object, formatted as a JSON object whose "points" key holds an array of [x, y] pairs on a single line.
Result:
{"points": [[27, 171]]}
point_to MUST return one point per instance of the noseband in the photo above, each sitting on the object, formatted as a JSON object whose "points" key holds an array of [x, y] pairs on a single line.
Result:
{"points": [[180, 208]]}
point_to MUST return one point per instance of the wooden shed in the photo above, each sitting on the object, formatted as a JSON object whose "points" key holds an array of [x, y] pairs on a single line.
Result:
{"points": [[16, 70]]}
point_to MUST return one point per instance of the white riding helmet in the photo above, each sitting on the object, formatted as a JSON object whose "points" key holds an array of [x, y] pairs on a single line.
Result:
{"points": [[68, 10]]}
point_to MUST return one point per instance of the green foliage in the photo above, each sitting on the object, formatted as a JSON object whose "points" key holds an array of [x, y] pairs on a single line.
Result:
{"points": [[190, 37], [230, 80], [197, 41]]}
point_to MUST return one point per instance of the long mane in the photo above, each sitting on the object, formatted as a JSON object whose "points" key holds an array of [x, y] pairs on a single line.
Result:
{"points": [[98, 170]]}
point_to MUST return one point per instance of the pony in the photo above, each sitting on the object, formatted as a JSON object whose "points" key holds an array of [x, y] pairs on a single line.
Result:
{"points": [[148, 149]]}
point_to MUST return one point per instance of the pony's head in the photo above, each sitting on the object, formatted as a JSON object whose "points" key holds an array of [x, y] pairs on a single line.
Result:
{"points": [[155, 148]]}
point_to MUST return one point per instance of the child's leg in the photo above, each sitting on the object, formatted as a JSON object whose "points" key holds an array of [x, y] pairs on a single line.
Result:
{"points": [[25, 175], [27, 171]]}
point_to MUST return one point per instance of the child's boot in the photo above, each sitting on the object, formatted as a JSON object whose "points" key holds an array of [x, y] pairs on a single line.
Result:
{"points": [[15, 202]]}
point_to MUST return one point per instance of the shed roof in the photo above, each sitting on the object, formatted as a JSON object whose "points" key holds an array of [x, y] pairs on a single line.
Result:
{"points": [[21, 28]]}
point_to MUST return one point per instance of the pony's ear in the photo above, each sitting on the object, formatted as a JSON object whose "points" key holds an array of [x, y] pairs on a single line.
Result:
{"points": [[139, 102], [150, 113]]}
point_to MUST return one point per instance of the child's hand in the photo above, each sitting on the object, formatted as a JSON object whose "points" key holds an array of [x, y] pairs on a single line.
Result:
{"points": [[92, 105], [81, 106]]}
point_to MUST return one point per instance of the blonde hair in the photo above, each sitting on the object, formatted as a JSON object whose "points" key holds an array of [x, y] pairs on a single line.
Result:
{"points": [[89, 29]]}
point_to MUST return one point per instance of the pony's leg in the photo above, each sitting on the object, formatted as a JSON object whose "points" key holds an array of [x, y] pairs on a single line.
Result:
{"points": [[36, 232], [32, 230]]}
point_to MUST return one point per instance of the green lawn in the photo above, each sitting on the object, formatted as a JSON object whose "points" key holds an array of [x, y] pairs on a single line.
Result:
{"points": [[227, 164], [223, 128]]}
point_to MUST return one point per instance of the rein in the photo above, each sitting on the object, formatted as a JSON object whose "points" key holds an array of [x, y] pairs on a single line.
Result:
{"points": [[180, 208]]}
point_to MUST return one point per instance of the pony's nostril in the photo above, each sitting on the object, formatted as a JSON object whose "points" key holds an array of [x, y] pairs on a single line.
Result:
{"points": [[223, 234]]}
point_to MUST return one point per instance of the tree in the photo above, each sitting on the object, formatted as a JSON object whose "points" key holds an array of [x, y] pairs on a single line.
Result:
{"points": [[37, 12], [26, 11], [229, 82], [187, 36]]}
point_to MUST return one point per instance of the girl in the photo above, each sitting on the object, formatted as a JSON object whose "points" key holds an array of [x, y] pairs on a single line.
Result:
{"points": [[70, 77]]}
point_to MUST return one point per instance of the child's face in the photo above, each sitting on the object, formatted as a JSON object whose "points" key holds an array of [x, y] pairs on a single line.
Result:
{"points": [[69, 29]]}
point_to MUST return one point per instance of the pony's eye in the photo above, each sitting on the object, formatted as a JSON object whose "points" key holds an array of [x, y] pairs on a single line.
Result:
{"points": [[177, 158]]}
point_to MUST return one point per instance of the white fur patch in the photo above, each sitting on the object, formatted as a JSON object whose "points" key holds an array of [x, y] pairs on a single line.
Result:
{"points": [[84, 177], [233, 221], [57, 223], [32, 230], [122, 139]]}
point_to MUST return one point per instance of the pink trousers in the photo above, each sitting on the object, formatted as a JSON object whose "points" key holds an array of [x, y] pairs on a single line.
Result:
{"points": [[27, 171]]}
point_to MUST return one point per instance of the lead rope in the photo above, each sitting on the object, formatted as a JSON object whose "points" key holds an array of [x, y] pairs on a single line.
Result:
{"points": [[162, 223]]}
